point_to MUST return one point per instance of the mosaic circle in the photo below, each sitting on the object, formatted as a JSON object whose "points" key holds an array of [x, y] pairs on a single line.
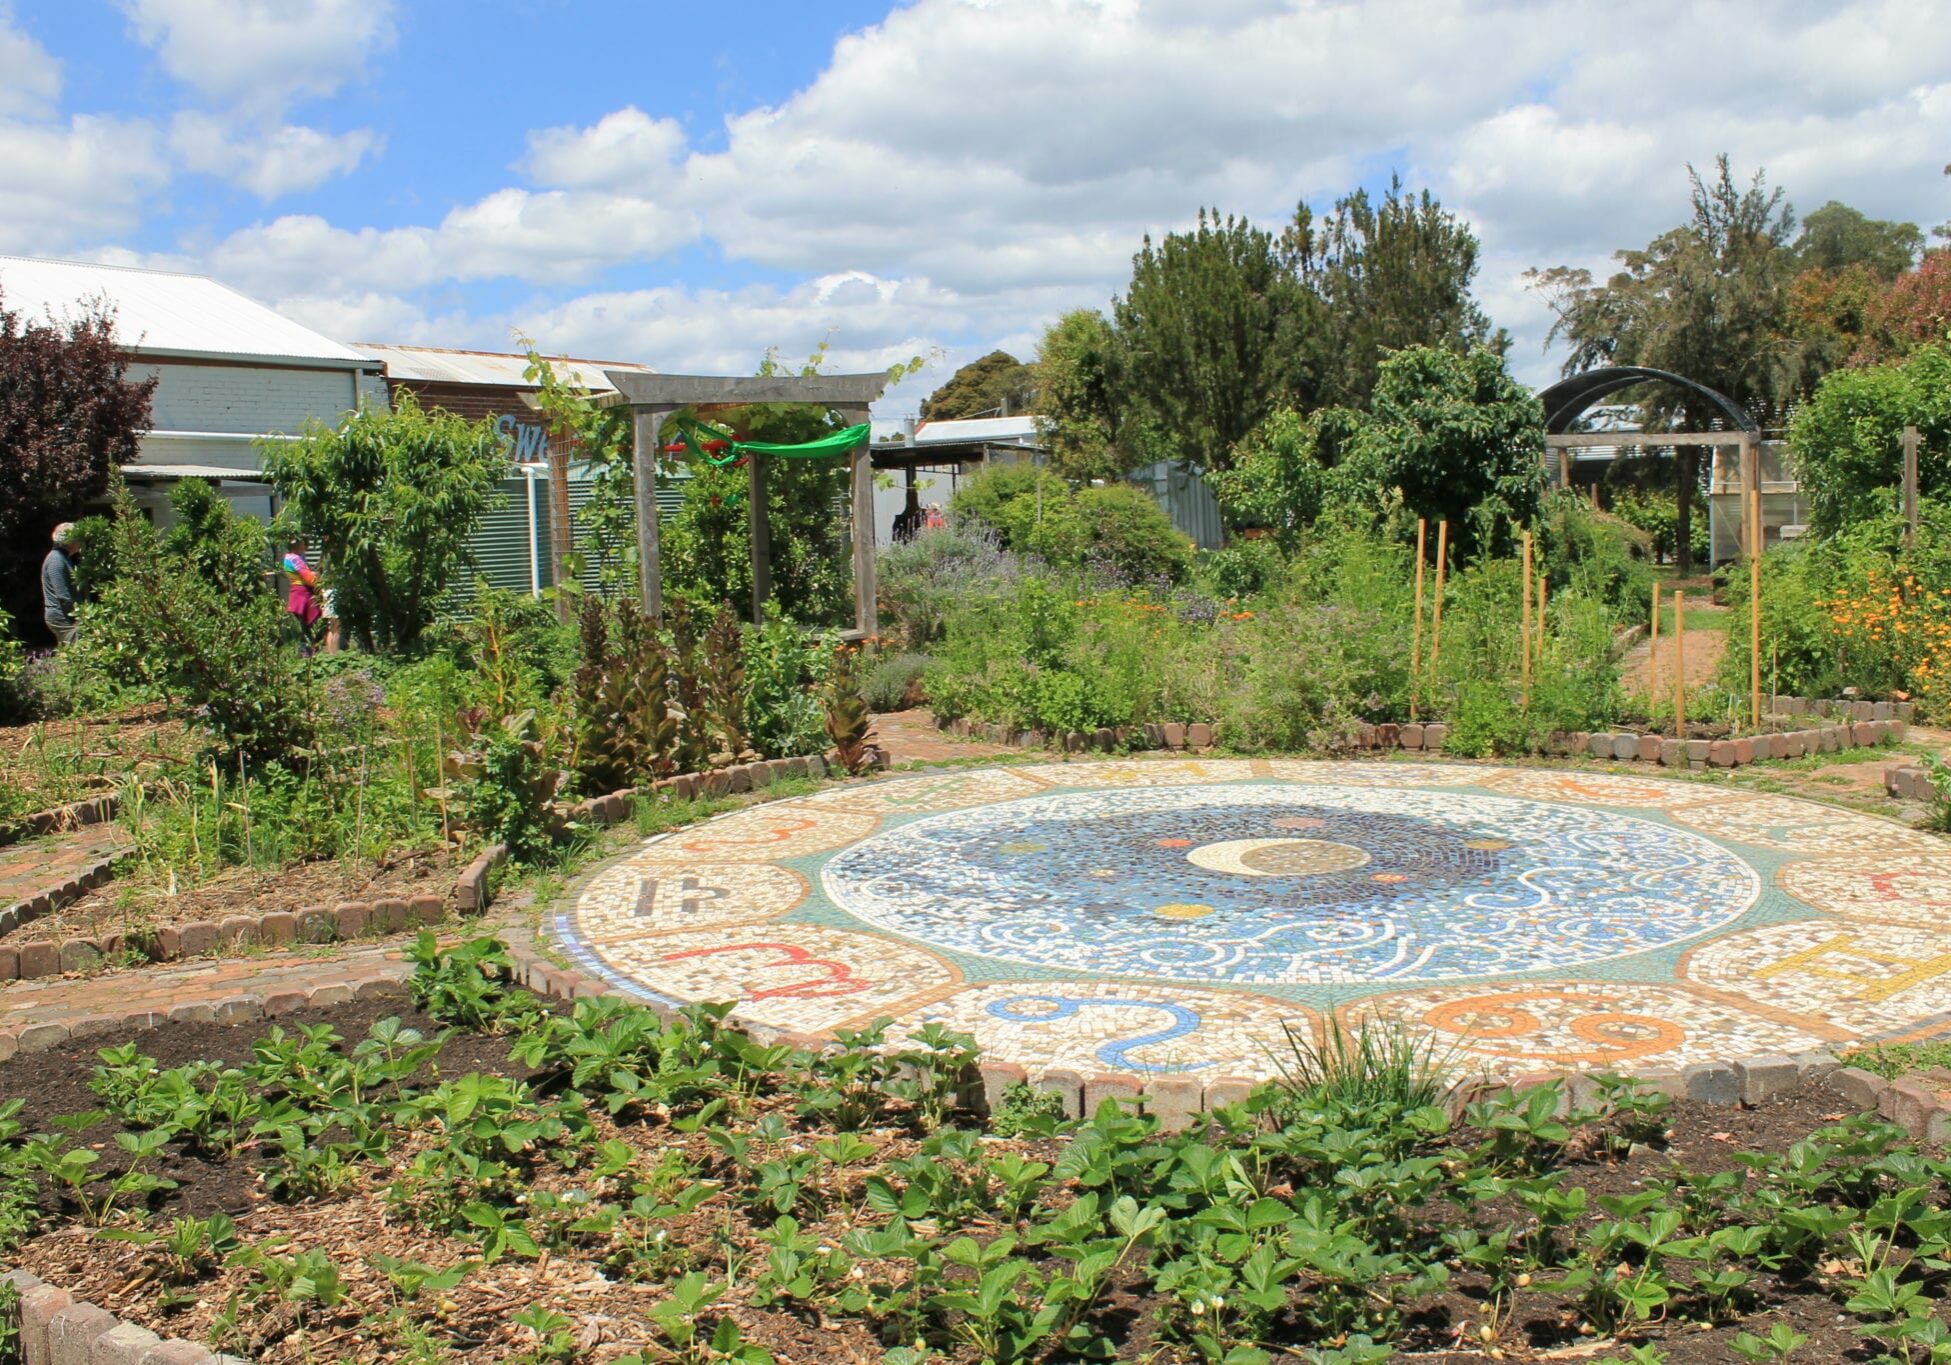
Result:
{"points": [[1174, 919], [1201, 884]]}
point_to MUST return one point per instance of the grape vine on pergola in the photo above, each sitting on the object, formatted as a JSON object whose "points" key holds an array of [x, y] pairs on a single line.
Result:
{"points": [[652, 398]]}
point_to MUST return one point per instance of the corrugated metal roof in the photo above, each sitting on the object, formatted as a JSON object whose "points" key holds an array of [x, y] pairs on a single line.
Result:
{"points": [[162, 313], [222, 473], [434, 364], [1021, 430]]}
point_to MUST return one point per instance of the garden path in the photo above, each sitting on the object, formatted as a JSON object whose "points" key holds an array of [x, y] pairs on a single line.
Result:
{"points": [[1650, 668], [911, 737], [38, 866]]}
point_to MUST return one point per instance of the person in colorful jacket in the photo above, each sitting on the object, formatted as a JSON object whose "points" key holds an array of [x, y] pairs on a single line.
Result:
{"points": [[302, 599]]}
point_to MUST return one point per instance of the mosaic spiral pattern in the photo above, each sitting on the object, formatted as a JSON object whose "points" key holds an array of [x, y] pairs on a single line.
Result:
{"points": [[1379, 884], [1184, 917]]}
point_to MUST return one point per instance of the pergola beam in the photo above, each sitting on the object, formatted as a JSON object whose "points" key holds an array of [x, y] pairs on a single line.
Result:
{"points": [[637, 389], [1588, 439]]}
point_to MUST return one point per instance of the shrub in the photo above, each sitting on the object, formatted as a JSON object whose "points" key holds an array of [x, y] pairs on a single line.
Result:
{"points": [[1116, 530], [925, 580], [784, 666], [1847, 440], [848, 724], [389, 502], [505, 778], [13, 666], [1240, 569], [891, 683]]}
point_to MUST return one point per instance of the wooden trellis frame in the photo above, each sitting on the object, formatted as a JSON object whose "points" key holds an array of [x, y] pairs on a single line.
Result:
{"points": [[652, 398]]}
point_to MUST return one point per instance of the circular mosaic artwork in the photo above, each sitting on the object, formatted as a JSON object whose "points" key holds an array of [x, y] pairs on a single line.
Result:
{"points": [[1289, 883], [1178, 916]]}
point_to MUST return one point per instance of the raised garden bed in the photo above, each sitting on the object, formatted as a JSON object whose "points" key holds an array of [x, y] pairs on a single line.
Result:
{"points": [[484, 1202]]}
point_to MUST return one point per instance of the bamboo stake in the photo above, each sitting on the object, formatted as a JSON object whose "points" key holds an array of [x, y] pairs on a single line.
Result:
{"points": [[1679, 664], [1538, 639], [1436, 618], [1524, 642], [1416, 631], [1653, 640]]}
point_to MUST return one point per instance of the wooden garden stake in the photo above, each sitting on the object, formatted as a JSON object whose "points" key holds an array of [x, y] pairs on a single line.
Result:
{"points": [[1679, 664], [1653, 640], [1416, 630], [1754, 592], [1436, 618], [1524, 640], [1538, 639]]}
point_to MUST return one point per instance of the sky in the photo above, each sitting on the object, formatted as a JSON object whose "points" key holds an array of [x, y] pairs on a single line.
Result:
{"points": [[686, 185]]}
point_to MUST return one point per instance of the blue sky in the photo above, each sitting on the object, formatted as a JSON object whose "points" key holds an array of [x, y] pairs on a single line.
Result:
{"points": [[686, 185]]}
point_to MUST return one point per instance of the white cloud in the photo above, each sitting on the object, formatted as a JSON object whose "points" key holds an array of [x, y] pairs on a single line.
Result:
{"points": [[963, 170], [76, 184], [29, 78], [270, 163], [626, 150], [263, 54]]}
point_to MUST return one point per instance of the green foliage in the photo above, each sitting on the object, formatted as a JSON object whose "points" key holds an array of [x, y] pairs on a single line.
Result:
{"points": [[1284, 474], [227, 656], [1079, 393], [14, 700], [724, 683], [995, 385], [1389, 276], [602, 441], [784, 668], [1204, 327], [1847, 440], [389, 502], [504, 776], [1378, 1062], [925, 580], [1836, 236], [1453, 436], [228, 552], [1115, 530], [893, 678]]}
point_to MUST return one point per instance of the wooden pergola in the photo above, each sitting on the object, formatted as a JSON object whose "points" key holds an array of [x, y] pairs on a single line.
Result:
{"points": [[652, 398]]}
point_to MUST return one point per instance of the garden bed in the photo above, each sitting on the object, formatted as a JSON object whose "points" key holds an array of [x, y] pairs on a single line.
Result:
{"points": [[809, 1209], [55, 762], [137, 908]]}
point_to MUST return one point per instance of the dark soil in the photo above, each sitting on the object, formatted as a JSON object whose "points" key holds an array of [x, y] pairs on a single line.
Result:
{"points": [[360, 1223], [146, 902]]}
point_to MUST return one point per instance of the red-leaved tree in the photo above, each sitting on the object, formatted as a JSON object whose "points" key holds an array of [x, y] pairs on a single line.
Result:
{"points": [[68, 410]]}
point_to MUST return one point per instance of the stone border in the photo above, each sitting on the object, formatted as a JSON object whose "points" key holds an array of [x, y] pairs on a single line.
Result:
{"points": [[56, 1328], [96, 810], [472, 894], [1909, 781]]}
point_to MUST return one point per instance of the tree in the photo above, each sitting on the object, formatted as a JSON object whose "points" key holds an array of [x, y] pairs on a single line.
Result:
{"points": [[1077, 377], [1837, 236], [1847, 440], [1284, 473], [1454, 437], [1205, 330], [997, 385], [1913, 312], [68, 412], [1387, 276], [1707, 300], [389, 501]]}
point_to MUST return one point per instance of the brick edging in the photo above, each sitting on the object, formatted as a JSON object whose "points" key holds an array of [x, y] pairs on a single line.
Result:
{"points": [[57, 1327], [613, 808], [1621, 746], [472, 894], [96, 810]]}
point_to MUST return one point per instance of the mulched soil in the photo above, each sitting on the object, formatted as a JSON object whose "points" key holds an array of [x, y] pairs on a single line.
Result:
{"points": [[610, 1313], [149, 902], [91, 753]]}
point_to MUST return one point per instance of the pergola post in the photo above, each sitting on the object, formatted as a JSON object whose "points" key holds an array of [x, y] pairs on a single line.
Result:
{"points": [[759, 524], [647, 432], [867, 615]]}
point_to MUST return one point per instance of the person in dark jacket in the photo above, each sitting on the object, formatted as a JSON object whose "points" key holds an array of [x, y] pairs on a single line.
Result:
{"points": [[58, 585]]}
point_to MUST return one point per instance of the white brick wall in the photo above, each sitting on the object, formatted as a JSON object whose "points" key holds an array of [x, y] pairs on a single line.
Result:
{"points": [[243, 398]]}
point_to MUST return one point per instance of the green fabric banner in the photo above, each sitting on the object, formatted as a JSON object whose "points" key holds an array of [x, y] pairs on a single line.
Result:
{"points": [[695, 434]]}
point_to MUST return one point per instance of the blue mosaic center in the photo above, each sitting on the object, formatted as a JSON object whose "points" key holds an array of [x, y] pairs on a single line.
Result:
{"points": [[1295, 883]]}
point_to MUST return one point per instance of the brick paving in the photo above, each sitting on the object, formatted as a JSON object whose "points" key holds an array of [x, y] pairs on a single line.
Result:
{"points": [[911, 737], [239, 988], [37, 867]]}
